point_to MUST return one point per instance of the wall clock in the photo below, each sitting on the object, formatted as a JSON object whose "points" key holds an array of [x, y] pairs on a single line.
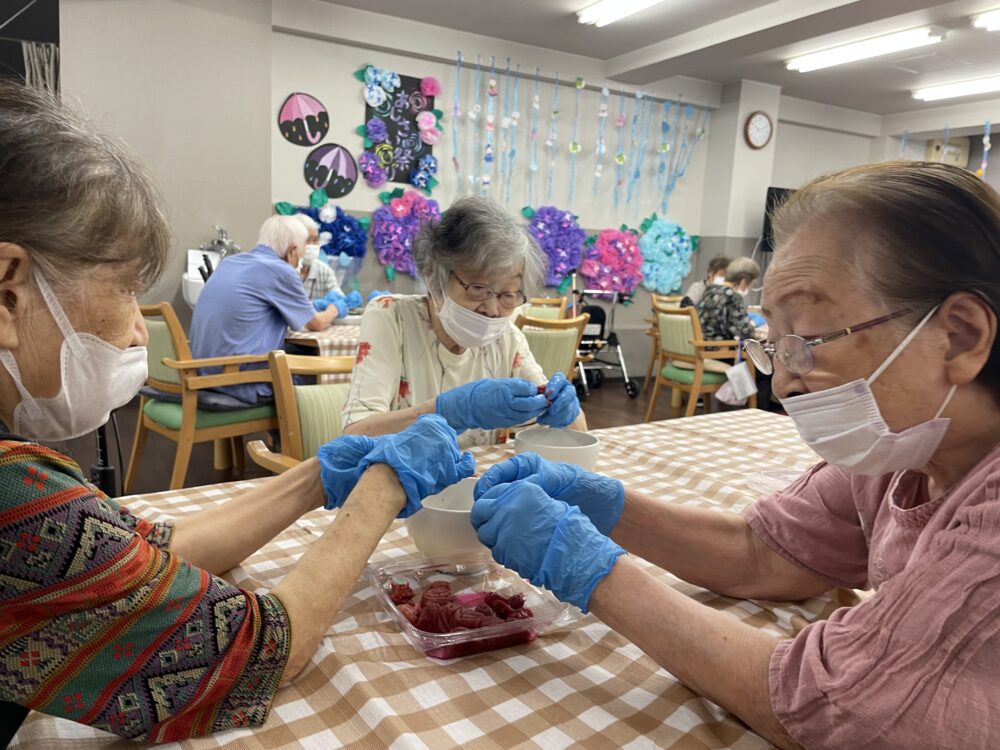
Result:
{"points": [[758, 129]]}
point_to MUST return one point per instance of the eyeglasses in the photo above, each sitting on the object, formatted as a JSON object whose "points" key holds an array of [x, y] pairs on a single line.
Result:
{"points": [[481, 293], [795, 353]]}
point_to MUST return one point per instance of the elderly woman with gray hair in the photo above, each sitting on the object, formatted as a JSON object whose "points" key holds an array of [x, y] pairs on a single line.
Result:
{"points": [[455, 351]]}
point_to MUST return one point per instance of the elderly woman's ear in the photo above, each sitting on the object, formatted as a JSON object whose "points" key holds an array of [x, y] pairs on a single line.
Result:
{"points": [[971, 329], [14, 264]]}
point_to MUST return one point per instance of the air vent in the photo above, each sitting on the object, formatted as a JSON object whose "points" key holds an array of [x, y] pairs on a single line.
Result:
{"points": [[930, 63]]}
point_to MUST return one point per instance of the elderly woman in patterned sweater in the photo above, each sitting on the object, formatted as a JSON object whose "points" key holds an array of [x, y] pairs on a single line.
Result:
{"points": [[105, 618]]}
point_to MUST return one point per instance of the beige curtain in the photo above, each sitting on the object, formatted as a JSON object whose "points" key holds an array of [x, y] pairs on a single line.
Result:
{"points": [[41, 65]]}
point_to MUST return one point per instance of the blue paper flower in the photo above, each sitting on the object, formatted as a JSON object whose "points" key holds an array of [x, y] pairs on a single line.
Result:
{"points": [[428, 163], [666, 251]]}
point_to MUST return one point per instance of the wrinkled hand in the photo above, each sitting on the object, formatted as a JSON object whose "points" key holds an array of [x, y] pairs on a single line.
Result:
{"points": [[564, 407], [490, 403], [550, 543], [425, 457], [600, 498]]}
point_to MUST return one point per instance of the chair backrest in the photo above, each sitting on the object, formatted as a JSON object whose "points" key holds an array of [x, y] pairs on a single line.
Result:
{"points": [[554, 343], [308, 415], [667, 300], [677, 327], [553, 308], [166, 341]]}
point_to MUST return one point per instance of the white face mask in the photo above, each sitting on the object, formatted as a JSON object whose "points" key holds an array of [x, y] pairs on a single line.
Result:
{"points": [[718, 279], [468, 328], [845, 427], [310, 254], [96, 378]]}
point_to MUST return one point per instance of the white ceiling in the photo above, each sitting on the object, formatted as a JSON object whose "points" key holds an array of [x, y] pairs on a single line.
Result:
{"points": [[726, 40]]}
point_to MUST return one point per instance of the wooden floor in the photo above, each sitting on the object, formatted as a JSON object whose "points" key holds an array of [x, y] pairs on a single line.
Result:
{"points": [[607, 406]]}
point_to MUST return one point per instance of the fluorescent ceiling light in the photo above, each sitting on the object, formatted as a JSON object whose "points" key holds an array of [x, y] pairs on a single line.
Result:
{"points": [[989, 21], [608, 11], [880, 45], [962, 88]]}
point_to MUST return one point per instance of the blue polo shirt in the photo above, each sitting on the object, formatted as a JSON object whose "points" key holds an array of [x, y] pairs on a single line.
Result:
{"points": [[246, 308]]}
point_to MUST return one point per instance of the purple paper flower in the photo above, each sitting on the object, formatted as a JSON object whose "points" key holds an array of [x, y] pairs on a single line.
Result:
{"points": [[613, 262], [393, 235], [373, 172], [376, 130], [561, 239]]}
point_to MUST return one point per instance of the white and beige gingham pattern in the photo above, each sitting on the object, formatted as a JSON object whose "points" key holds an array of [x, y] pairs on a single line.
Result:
{"points": [[335, 341], [581, 686]]}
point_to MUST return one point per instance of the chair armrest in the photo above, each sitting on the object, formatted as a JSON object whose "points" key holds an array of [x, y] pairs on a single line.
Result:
{"points": [[266, 459], [305, 364], [699, 344], [191, 364]]}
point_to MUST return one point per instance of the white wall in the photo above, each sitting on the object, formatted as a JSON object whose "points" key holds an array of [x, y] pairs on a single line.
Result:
{"points": [[803, 152], [186, 84]]}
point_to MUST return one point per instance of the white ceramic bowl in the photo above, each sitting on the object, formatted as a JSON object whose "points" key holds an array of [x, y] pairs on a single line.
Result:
{"points": [[566, 446], [442, 527]]}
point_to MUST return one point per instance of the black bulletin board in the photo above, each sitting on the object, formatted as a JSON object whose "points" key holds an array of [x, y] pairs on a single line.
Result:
{"points": [[399, 113]]}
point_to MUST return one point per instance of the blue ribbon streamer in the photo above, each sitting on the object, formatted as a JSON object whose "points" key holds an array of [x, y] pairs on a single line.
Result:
{"points": [[619, 150], [488, 155], [572, 146], [661, 169], [602, 144], [536, 106], [553, 139], [515, 115], [474, 117], [456, 115], [504, 125], [633, 143], [987, 147]]}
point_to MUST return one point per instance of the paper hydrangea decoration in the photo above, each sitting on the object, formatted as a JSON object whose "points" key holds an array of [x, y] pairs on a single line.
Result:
{"points": [[666, 252], [395, 225], [560, 237], [612, 261]]}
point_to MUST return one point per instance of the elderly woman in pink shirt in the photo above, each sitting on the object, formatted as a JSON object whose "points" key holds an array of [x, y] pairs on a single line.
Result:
{"points": [[882, 308]]}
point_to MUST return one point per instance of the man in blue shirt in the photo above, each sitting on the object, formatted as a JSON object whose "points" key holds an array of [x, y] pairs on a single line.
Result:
{"points": [[251, 301]]}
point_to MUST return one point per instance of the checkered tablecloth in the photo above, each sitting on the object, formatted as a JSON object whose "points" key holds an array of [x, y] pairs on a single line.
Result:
{"points": [[581, 686], [335, 341]]}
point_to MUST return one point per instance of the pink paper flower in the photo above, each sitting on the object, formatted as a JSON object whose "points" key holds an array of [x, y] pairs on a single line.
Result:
{"points": [[430, 136], [426, 120], [430, 86], [398, 207]]}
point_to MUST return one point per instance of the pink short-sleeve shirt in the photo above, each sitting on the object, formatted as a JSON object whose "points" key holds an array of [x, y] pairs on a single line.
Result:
{"points": [[917, 666]]}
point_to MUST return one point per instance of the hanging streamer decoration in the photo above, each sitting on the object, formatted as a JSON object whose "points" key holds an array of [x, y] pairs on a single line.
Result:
{"points": [[635, 168], [456, 116], [536, 106], [689, 140], [666, 252], [633, 143], [903, 142], [944, 144], [488, 157], [504, 128], [561, 239], [620, 157], [514, 117], [551, 143], [602, 146], [477, 110], [612, 261], [986, 151], [664, 151], [395, 225], [574, 144]]}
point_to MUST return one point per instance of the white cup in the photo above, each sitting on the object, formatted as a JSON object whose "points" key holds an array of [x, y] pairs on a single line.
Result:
{"points": [[442, 526], [565, 446]]}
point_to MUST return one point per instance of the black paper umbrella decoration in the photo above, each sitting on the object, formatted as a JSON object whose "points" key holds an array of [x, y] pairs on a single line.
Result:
{"points": [[303, 120], [332, 168]]}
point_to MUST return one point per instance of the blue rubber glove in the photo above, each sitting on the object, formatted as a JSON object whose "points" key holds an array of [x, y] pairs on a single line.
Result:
{"points": [[376, 293], [491, 403], [563, 404], [354, 300], [339, 466], [600, 498], [550, 543], [425, 457]]}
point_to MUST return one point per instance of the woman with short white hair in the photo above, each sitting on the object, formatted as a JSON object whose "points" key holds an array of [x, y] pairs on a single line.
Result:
{"points": [[455, 351]]}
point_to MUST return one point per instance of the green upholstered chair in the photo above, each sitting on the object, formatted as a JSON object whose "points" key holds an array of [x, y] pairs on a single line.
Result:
{"points": [[687, 363], [177, 404], [659, 300], [554, 343], [308, 415], [550, 308]]}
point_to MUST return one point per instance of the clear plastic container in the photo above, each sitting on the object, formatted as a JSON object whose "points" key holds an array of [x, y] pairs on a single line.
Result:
{"points": [[467, 574], [769, 482]]}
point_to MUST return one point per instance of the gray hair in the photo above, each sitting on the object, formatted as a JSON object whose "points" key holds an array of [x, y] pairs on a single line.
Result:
{"points": [[307, 221], [282, 232], [742, 269], [477, 237], [73, 198]]}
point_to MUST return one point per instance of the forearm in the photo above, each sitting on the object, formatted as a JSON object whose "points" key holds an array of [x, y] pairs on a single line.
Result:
{"points": [[313, 592], [710, 652], [716, 551], [387, 423], [321, 321], [220, 538]]}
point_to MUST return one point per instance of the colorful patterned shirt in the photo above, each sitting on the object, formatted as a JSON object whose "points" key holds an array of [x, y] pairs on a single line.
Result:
{"points": [[101, 624], [401, 362], [723, 315]]}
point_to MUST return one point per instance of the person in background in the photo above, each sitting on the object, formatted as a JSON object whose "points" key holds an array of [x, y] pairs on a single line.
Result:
{"points": [[882, 307], [722, 310], [716, 275], [251, 301], [318, 278], [455, 351], [108, 619]]}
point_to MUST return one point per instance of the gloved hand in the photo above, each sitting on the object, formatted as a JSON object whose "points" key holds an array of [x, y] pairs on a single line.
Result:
{"points": [[600, 498], [425, 457], [550, 543], [563, 404], [332, 298], [376, 293], [353, 300], [491, 403]]}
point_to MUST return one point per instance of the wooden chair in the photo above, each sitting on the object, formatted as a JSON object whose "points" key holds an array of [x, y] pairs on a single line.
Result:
{"points": [[551, 308], [554, 343], [659, 301], [174, 399], [308, 415], [689, 364]]}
